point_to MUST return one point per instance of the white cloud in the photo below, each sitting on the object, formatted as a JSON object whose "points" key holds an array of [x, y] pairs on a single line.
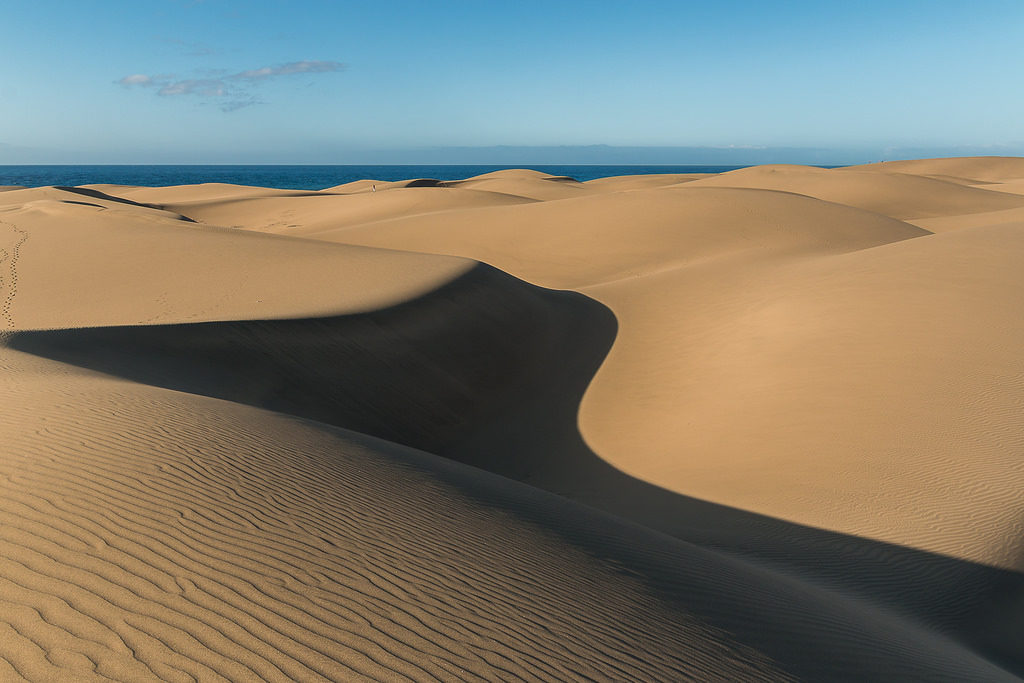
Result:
{"points": [[305, 67], [136, 79], [234, 87], [207, 87]]}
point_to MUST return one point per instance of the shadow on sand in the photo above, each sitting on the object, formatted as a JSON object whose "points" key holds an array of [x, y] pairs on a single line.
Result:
{"points": [[489, 371]]}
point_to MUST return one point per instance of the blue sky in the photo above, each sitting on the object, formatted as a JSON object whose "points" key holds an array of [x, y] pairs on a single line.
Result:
{"points": [[225, 81]]}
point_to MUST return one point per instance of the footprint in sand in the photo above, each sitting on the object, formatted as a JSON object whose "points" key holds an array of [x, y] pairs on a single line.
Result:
{"points": [[11, 239]]}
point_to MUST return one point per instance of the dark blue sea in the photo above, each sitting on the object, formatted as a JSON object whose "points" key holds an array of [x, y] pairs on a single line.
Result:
{"points": [[296, 177]]}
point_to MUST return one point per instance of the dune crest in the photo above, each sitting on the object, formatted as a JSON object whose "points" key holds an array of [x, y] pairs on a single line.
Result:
{"points": [[898, 195], [994, 169]]}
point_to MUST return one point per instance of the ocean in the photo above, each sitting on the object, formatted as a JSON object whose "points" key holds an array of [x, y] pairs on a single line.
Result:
{"points": [[297, 177]]}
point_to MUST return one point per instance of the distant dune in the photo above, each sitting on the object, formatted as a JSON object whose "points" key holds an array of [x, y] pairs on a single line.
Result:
{"points": [[761, 425], [897, 195]]}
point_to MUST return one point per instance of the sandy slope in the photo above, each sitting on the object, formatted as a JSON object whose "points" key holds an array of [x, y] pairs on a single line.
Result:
{"points": [[971, 220], [898, 195], [875, 393], [797, 415], [993, 169], [639, 182], [277, 212], [585, 241], [151, 534], [103, 263], [1011, 186]]}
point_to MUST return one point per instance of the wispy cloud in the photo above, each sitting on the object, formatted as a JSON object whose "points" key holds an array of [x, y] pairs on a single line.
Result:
{"points": [[191, 48], [306, 67], [231, 91], [206, 87], [235, 105], [136, 79]]}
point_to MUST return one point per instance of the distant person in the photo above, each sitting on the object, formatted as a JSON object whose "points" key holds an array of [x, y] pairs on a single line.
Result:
{"points": [[373, 188]]}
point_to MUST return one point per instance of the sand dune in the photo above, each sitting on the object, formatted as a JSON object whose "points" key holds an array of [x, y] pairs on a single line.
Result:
{"points": [[898, 195], [865, 383], [285, 213], [585, 241], [1011, 186], [514, 182], [643, 182], [530, 184], [196, 193], [164, 535], [993, 169], [127, 265], [971, 220], [76, 196], [781, 412]]}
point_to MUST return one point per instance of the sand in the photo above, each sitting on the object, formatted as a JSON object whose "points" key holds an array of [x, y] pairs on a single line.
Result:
{"points": [[761, 425]]}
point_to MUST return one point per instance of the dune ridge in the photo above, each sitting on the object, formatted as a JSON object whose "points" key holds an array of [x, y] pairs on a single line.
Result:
{"points": [[898, 195], [761, 425]]}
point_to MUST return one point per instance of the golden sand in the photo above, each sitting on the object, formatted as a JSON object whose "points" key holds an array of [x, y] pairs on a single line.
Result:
{"points": [[761, 425]]}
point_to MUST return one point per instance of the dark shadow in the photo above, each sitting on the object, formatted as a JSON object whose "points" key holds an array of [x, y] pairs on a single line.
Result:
{"points": [[96, 194], [489, 371], [431, 182], [425, 182], [96, 206]]}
